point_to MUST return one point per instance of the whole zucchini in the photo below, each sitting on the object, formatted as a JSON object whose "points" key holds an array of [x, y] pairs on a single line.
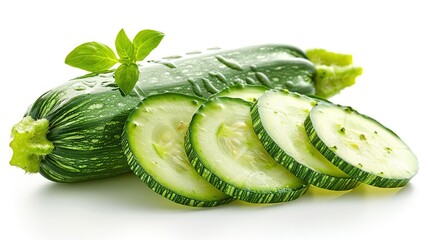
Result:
{"points": [[73, 132]]}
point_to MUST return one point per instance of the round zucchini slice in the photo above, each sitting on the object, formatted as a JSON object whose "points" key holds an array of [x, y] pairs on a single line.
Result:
{"points": [[154, 144], [278, 119], [224, 149], [361, 146]]}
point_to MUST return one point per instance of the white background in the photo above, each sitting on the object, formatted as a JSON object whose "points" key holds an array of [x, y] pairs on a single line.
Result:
{"points": [[388, 38]]}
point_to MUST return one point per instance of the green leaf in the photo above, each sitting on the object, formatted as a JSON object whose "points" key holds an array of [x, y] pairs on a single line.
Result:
{"points": [[124, 47], [126, 77], [145, 41], [92, 57]]}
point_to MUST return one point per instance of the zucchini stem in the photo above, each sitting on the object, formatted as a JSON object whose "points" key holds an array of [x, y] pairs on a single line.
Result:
{"points": [[334, 71], [29, 143]]}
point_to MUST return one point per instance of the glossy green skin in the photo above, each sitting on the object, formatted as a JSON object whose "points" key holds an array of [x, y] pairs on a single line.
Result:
{"points": [[87, 115]]}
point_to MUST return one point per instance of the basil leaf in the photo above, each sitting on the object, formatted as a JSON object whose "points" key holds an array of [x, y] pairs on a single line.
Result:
{"points": [[145, 41], [124, 47], [126, 77], [92, 57]]}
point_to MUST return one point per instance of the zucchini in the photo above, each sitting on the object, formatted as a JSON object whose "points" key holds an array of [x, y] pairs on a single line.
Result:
{"points": [[278, 119], [73, 132], [361, 146], [223, 148], [333, 71], [248, 93], [153, 142]]}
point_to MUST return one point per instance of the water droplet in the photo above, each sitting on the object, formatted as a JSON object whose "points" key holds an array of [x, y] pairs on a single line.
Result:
{"points": [[108, 84], [209, 86], [219, 76], [263, 79], [89, 83], [253, 68], [239, 81], [167, 64], [195, 88], [193, 52], [106, 75], [250, 80], [229, 63], [172, 57], [213, 48], [79, 87]]}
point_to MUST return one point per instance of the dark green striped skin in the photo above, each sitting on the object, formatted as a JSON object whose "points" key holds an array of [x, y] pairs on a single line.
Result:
{"points": [[139, 170], [159, 188], [351, 170], [238, 193], [85, 137], [248, 195], [85, 131], [306, 174]]}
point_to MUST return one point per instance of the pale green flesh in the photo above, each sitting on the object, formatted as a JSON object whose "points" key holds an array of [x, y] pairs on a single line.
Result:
{"points": [[157, 143], [283, 114], [229, 148], [363, 142]]}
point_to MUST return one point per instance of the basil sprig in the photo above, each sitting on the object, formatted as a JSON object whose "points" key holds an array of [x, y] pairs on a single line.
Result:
{"points": [[96, 57]]}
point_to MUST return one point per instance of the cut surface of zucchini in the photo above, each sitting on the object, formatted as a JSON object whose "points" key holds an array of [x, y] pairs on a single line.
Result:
{"points": [[224, 149], [361, 146], [154, 145], [278, 119]]}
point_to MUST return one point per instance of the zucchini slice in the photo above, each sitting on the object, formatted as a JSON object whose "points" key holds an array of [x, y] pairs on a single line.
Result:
{"points": [[224, 149], [278, 119], [361, 146], [153, 142]]}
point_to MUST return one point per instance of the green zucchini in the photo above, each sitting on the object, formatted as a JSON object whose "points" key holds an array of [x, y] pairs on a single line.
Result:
{"points": [[278, 119], [73, 132], [223, 148], [361, 146], [247, 93], [153, 141]]}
